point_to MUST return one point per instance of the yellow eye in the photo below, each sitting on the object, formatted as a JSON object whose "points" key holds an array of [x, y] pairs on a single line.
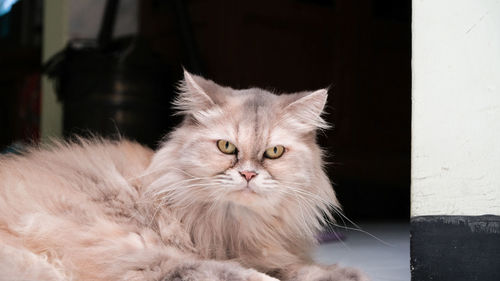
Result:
{"points": [[274, 152], [226, 147]]}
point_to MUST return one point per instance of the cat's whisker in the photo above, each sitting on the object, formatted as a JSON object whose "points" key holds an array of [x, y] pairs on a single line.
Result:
{"points": [[297, 188], [311, 198], [162, 170], [307, 217], [300, 206], [183, 185], [367, 233], [173, 194], [215, 202], [191, 178], [328, 229], [341, 215], [182, 171], [146, 174]]}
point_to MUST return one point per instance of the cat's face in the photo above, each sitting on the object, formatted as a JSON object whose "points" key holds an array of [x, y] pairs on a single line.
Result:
{"points": [[249, 147]]}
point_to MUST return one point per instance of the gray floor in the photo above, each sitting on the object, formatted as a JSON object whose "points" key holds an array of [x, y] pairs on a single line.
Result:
{"points": [[385, 260]]}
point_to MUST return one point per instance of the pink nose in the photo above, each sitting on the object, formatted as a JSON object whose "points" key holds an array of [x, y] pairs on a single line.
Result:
{"points": [[248, 175]]}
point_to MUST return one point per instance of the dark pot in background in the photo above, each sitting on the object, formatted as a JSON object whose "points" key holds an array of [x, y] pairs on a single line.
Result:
{"points": [[117, 91]]}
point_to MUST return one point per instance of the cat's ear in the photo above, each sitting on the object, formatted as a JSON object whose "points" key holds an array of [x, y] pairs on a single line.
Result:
{"points": [[194, 94], [305, 111]]}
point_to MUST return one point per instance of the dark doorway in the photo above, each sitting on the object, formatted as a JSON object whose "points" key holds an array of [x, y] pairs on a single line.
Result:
{"points": [[361, 49]]}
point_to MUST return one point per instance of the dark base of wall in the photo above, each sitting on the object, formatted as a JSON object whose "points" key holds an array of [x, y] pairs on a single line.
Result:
{"points": [[455, 248]]}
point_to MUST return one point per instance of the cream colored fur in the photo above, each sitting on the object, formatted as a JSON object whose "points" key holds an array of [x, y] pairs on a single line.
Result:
{"points": [[115, 210]]}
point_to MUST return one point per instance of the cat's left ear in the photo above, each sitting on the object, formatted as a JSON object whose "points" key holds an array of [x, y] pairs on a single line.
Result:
{"points": [[305, 112], [194, 94]]}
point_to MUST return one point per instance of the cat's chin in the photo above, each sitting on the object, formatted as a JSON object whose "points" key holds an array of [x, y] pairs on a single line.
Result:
{"points": [[245, 196]]}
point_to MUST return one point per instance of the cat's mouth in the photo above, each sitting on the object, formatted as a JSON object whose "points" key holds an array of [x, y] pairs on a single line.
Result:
{"points": [[244, 194], [248, 189]]}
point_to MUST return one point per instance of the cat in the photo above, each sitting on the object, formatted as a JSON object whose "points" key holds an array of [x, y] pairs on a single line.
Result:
{"points": [[236, 192]]}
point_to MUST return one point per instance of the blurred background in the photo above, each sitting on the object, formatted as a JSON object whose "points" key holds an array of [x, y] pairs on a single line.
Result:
{"points": [[80, 66]]}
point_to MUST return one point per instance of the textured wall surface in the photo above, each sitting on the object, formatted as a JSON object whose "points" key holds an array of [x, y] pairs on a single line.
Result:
{"points": [[456, 108]]}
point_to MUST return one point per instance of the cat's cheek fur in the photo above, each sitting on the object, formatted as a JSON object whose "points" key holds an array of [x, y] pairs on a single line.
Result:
{"points": [[205, 160], [291, 170]]}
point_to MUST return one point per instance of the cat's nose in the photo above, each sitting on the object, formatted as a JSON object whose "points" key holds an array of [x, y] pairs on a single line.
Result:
{"points": [[248, 175]]}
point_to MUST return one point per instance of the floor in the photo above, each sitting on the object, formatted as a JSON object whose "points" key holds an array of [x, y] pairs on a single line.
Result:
{"points": [[381, 250]]}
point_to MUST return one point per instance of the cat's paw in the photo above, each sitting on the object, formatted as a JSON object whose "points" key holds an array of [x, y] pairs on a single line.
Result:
{"points": [[247, 275], [328, 273], [335, 273], [257, 276], [215, 271]]}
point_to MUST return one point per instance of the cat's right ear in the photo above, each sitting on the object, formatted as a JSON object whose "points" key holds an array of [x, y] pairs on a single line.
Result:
{"points": [[305, 112], [193, 97]]}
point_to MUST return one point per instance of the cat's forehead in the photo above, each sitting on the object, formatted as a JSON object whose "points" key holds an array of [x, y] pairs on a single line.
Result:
{"points": [[253, 117], [253, 98], [254, 108]]}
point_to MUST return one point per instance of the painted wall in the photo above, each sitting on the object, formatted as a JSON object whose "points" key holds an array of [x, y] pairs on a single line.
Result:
{"points": [[55, 36], [456, 107]]}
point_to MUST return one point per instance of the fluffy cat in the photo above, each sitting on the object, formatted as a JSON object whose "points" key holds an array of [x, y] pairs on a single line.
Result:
{"points": [[236, 192]]}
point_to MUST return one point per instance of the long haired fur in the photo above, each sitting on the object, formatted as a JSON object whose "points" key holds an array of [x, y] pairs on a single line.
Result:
{"points": [[96, 209]]}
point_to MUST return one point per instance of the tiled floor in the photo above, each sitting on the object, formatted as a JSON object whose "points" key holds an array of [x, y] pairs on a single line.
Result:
{"points": [[386, 260]]}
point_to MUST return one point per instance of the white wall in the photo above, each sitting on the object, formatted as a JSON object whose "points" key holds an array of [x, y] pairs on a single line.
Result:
{"points": [[456, 107]]}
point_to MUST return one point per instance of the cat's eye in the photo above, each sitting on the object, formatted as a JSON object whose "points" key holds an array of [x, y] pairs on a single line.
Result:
{"points": [[226, 147], [274, 152]]}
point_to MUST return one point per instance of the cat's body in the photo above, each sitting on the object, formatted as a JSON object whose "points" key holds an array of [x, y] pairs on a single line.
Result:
{"points": [[213, 203]]}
